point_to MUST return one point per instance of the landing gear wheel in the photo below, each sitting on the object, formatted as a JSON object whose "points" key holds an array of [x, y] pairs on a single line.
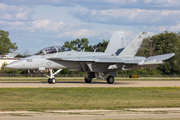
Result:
{"points": [[49, 80], [51, 76], [88, 80], [110, 80], [53, 81]]}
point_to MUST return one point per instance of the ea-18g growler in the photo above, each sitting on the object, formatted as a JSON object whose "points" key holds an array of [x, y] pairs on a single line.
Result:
{"points": [[117, 57]]}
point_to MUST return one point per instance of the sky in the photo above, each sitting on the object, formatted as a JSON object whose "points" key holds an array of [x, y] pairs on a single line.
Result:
{"points": [[36, 24]]}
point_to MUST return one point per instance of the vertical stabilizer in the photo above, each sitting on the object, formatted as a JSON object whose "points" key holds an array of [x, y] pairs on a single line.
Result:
{"points": [[134, 45], [116, 43]]}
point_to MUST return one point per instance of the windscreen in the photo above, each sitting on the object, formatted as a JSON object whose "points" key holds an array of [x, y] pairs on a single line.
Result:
{"points": [[53, 49]]}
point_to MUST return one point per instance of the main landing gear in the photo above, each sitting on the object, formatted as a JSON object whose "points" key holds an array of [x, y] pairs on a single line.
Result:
{"points": [[110, 79], [90, 76], [88, 80], [51, 76]]}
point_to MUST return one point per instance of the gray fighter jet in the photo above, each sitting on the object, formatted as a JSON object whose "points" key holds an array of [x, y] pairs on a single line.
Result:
{"points": [[117, 57]]}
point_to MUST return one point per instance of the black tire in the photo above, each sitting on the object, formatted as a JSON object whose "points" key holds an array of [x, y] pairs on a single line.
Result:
{"points": [[88, 80], [53, 81], [110, 80], [49, 80]]}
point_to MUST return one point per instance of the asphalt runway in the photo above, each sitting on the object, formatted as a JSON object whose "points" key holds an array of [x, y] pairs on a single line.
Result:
{"points": [[94, 117], [93, 84], [92, 114], [152, 113]]}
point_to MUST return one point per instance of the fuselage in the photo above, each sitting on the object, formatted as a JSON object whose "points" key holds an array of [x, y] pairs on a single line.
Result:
{"points": [[42, 62]]}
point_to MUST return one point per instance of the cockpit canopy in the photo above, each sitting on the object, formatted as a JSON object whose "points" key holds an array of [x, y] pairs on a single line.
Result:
{"points": [[53, 49]]}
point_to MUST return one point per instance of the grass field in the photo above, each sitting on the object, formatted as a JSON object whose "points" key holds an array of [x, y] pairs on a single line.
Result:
{"points": [[88, 98], [44, 79]]}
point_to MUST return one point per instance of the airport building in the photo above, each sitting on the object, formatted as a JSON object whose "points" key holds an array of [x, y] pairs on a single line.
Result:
{"points": [[8, 58]]}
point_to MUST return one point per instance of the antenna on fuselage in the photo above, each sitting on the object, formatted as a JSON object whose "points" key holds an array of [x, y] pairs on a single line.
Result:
{"points": [[83, 49], [94, 50]]}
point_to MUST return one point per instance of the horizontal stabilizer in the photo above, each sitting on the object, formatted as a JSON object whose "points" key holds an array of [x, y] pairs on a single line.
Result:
{"points": [[160, 57]]}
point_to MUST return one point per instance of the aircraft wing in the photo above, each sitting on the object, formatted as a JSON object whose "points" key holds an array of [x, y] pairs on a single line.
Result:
{"points": [[114, 60], [75, 59], [109, 60]]}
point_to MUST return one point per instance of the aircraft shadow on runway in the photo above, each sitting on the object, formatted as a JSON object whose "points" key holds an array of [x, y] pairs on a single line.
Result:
{"points": [[79, 82], [96, 82]]}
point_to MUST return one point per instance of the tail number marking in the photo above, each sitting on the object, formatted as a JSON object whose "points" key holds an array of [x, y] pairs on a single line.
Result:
{"points": [[29, 60]]}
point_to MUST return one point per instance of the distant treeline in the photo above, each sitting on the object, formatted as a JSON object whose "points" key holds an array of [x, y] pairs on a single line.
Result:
{"points": [[162, 43]]}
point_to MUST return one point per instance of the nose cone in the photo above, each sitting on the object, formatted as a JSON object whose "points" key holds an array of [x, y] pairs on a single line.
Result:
{"points": [[14, 65]]}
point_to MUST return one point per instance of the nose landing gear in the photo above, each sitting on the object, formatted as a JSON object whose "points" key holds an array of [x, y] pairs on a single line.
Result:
{"points": [[53, 80], [51, 76]]}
